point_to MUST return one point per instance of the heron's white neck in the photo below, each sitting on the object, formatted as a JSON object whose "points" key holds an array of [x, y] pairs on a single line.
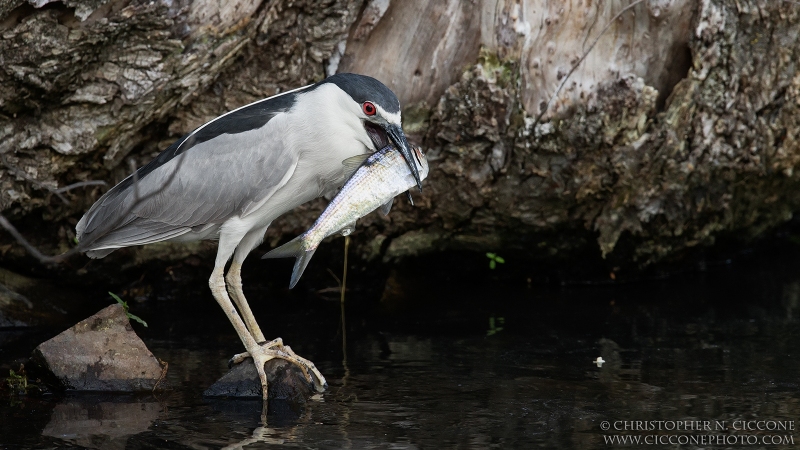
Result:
{"points": [[326, 121]]}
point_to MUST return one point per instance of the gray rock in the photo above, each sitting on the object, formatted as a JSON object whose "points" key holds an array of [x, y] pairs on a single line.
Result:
{"points": [[101, 353], [286, 382]]}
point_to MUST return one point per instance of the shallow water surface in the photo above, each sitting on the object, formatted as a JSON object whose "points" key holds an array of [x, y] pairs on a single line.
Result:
{"points": [[461, 364]]}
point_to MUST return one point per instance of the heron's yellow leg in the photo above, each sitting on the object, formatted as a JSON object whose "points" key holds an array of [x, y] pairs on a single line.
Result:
{"points": [[234, 282]]}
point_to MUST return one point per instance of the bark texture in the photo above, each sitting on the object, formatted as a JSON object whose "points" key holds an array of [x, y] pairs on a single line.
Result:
{"points": [[678, 126]]}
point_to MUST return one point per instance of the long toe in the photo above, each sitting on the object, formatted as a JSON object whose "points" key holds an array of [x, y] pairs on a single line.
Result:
{"points": [[261, 355], [260, 359], [309, 370], [320, 384], [238, 359], [317, 379], [277, 342]]}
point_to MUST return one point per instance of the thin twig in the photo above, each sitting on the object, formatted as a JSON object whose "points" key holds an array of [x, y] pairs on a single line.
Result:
{"points": [[326, 290], [164, 368], [575, 66], [44, 259], [135, 175], [344, 272], [81, 184], [338, 281], [344, 288]]}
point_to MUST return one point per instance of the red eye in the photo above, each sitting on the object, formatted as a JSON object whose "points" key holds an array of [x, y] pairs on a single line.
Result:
{"points": [[369, 109]]}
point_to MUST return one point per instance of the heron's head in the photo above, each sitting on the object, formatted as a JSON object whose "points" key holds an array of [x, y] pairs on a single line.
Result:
{"points": [[379, 111]]}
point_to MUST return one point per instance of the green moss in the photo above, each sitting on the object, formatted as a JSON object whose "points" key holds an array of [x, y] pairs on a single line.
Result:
{"points": [[416, 118], [503, 72]]}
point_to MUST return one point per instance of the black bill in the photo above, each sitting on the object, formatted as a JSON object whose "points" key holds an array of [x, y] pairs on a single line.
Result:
{"points": [[398, 138]]}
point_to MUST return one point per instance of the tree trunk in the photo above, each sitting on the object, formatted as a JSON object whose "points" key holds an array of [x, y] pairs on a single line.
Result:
{"points": [[676, 126]]}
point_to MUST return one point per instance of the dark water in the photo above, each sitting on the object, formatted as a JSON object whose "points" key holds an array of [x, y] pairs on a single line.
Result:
{"points": [[469, 362]]}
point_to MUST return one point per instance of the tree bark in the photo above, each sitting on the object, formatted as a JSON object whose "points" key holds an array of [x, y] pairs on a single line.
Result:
{"points": [[652, 127]]}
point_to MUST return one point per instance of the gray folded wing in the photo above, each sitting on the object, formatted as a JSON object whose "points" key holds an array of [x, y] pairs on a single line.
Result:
{"points": [[213, 181]]}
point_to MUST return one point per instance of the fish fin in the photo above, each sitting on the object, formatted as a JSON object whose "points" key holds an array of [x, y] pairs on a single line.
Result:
{"points": [[410, 200], [293, 249], [347, 229], [386, 207], [354, 162], [300, 266]]}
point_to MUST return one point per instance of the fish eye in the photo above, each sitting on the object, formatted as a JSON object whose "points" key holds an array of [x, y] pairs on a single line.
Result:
{"points": [[369, 109]]}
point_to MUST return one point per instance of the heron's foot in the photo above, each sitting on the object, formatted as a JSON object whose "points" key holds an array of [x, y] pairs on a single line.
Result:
{"points": [[275, 349], [240, 357]]}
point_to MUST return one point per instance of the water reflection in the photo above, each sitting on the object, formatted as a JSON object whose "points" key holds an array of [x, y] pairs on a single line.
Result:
{"points": [[469, 393], [427, 374], [101, 422], [261, 434]]}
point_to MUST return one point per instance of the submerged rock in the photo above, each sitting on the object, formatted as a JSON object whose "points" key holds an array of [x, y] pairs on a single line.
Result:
{"points": [[286, 382], [101, 353]]}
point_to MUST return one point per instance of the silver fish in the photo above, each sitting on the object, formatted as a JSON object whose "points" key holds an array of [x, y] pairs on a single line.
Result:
{"points": [[375, 183]]}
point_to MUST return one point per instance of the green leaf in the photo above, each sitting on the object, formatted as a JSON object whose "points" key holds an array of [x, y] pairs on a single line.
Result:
{"points": [[492, 264], [125, 308], [137, 318], [490, 255], [119, 300], [500, 260], [493, 328]]}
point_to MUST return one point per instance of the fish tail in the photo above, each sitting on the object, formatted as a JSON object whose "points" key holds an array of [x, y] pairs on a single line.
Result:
{"points": [[300, 266], [293, 249]]}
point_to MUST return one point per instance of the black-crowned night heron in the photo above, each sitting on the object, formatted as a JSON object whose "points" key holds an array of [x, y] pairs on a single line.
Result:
{"points": [[230, 178]]}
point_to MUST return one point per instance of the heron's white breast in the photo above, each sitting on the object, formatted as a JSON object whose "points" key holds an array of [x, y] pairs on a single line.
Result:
{"points": [[321, 130]]}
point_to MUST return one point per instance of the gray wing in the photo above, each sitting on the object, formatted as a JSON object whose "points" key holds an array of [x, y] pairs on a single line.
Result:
{"points": [[217, 179], [217, 168]]}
